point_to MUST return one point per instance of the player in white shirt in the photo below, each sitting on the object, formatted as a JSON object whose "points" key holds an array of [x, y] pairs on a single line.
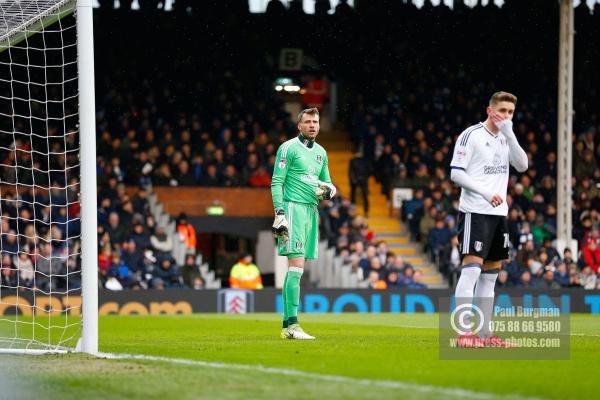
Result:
{"points": [[480, 166]]}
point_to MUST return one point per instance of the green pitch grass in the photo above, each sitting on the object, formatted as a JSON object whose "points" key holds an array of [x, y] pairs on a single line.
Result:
{"points": [[396, 354]]}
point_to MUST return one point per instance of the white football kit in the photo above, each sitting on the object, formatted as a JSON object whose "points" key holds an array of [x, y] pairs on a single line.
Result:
{"points": [[485, 158]]}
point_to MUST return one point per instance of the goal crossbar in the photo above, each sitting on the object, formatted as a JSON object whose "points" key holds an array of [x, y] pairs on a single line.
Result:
{"points": [[18, 26]]}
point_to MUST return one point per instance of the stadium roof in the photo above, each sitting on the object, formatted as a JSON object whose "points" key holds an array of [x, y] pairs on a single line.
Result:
{"points": [[259, 6], [499, 3]]}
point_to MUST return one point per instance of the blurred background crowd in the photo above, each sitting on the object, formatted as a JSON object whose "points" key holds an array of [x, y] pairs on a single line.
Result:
{"points": [[203, 113]]}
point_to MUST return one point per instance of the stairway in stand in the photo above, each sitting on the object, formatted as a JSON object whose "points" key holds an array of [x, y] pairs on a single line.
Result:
{"points": [[386, 227]]}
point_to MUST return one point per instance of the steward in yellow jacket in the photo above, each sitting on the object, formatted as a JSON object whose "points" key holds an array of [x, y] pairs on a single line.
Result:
{"points": [[245, 274]]}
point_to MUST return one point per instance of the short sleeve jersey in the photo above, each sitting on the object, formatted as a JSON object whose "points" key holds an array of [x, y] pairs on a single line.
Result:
{"points": [[485, 158], [298, 168]]}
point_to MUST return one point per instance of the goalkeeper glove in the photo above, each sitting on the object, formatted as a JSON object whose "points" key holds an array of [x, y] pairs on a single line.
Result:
{"points": [[325, 191], [280, 226]]}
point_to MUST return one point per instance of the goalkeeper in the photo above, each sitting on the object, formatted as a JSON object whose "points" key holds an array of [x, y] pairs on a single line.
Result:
{"points": [[300, 180]]}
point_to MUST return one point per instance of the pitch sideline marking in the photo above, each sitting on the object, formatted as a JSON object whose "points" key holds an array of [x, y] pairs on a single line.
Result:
{"points": [[436, 327], [421, 388]]}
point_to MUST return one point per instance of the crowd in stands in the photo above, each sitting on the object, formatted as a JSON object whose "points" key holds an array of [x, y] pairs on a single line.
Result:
{"points": [[406, 141], [202, 113], [134, 251], [41, 243], [375, 265]]}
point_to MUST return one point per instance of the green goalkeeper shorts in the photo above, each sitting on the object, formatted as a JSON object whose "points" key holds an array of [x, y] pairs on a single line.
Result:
{"points": [[303, 231]]}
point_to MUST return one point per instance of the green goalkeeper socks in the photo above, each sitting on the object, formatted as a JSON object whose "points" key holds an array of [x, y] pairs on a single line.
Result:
{"points": [[284, 295], [291, 295]]}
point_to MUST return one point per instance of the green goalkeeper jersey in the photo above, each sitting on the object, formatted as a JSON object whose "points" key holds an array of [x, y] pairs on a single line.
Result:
{"points": [[297, 170]]}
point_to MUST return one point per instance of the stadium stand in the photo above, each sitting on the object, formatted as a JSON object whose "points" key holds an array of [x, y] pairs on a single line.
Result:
{"points": [[218, 124]]}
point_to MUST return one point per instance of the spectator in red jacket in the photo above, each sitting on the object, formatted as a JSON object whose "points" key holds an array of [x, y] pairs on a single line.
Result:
{"points": [[591, 255], [260, 178]]}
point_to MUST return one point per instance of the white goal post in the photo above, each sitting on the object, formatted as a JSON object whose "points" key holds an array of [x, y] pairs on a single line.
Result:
{"points": [[48, 210]]}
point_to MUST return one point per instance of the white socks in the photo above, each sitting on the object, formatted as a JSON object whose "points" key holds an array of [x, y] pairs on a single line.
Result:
{"points": [[484, 295], [465, 288], [479, 284], [466, 283]]}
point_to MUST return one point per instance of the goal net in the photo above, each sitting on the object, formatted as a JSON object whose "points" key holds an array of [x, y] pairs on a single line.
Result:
{"points": [[40, 187]]}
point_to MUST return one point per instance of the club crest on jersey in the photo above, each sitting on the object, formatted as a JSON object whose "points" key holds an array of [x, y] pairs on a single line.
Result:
{"points": [[298, 245], [319, 158], [282, 163], [478, 246], [497, 159]]}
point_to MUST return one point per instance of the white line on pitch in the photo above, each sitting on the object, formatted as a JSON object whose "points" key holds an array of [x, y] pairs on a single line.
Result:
{"points": [[436, 327], [585, 334], [415, 387]]}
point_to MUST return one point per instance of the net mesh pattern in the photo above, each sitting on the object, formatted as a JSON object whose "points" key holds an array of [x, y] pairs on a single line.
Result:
{"points": [[40, 272]]}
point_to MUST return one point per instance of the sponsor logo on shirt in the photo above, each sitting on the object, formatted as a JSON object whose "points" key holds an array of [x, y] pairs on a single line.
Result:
{"points": [[495, 169], [308, 178]]}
